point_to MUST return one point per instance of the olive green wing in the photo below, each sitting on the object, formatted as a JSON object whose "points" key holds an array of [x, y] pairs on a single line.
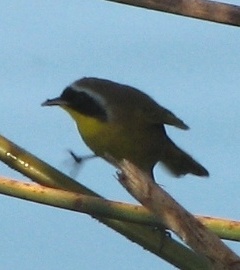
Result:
{"points": [[159, 115]]}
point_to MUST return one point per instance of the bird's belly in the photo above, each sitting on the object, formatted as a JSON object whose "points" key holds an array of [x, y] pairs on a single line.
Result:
{"points": [[115, 140]]}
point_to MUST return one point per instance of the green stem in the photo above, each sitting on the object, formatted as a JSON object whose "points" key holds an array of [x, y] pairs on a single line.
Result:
{"points": [[40, 172]]}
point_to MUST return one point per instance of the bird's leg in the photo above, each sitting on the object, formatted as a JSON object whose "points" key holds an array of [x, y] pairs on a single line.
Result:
{"points": [[80, 159]]}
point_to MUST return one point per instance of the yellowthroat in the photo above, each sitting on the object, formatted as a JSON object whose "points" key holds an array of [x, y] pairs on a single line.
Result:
{"points": [[124, 122]]}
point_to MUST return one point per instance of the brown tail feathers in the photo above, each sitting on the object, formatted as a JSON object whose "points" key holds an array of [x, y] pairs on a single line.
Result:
{"points": [[180, 163]]}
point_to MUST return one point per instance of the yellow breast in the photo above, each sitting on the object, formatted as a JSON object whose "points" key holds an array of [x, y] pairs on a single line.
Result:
{"points": [[117, 140]]}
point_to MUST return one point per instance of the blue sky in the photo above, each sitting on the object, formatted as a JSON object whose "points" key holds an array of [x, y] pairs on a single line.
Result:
{"points": [[189, 66]]}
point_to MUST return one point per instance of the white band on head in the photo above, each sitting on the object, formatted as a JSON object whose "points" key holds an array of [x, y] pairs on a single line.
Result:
{"points": [[93, 94]]}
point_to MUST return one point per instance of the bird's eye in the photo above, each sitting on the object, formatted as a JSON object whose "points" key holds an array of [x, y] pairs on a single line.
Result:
{"points": [[84, 103], [69, 94]]}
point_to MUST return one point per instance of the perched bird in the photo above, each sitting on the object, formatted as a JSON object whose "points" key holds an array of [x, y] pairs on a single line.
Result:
{"points": [[123, 122]]}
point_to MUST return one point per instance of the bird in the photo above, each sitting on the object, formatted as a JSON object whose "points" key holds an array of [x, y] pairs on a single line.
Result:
{"points": [[125, 123]]}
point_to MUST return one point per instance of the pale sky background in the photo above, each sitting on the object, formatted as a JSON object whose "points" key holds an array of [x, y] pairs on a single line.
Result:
{"points": [[192, 67]]}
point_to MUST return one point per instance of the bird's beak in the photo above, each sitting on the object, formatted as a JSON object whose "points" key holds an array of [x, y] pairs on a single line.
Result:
{"points": [[55, 101]]}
